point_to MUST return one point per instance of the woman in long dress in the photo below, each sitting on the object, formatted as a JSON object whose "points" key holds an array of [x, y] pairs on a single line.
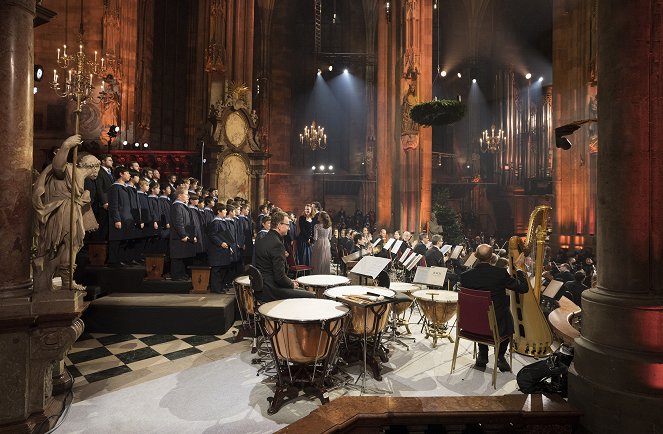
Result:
{"points": [[305, 236], [321, 252]]}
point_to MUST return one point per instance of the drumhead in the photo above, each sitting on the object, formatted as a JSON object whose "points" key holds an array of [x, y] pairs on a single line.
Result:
{"points": [[403, 287], [341, 291], [323, 280], [437, 295], [303, 309], [243, 280]]}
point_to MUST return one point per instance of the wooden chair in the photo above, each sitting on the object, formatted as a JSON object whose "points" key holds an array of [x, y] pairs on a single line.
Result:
{"points": [[292, 263], [477, 322]]}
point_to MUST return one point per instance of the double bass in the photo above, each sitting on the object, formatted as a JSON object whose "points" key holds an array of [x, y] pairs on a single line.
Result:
{"points": [[532, 336]]}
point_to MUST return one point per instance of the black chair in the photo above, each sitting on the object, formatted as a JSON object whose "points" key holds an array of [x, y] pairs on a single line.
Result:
{"points": [[260, 345]]}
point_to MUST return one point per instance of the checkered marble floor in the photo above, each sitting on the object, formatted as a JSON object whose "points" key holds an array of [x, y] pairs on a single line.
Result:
{"points": [[100, 356]]}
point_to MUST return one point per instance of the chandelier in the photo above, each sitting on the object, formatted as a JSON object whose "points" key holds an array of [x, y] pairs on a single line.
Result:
{"points": [[314, 136], [491, 142]]}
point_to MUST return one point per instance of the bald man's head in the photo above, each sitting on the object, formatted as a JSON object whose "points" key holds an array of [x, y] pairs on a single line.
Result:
{"points": [[484, 253]]}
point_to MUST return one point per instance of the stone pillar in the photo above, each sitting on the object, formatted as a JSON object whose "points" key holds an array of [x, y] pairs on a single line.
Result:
{"points": [[16, 112], [617, 374]]}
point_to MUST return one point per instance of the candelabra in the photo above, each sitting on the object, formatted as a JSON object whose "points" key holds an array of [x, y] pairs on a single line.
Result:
{"points": [[78, 86], [314, 136], [491, 143]]}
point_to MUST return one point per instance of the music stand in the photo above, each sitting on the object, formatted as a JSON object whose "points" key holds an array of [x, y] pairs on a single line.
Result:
{"points": [[370, 266], [455, 253], [397, 246], [469, 262], [552, 289], [430, 276]]}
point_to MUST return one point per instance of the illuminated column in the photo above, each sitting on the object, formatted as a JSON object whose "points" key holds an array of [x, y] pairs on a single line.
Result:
{"points": [[617, 377]]}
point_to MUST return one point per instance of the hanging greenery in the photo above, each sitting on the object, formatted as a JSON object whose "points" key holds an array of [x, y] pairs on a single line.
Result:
{"points": [[438, 112], [448, 218]]}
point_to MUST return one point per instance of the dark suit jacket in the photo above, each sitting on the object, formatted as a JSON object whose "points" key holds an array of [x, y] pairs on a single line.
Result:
{"points": [[119, 210], [103, 184], [420, 248], [486, 277], [181, 225], [574, 289], [434, 257], [217, 234], [270, 261]]}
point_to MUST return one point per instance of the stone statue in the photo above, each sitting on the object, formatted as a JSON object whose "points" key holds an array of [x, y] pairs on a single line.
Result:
{"points": [[51, 199], [409, 128]]}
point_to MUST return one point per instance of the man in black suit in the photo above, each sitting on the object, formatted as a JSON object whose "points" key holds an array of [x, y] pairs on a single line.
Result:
{"points": [[183, 238], [102, 185], [422, 246], [434, 255], [575, 288], [270, 261], [486, 277]]}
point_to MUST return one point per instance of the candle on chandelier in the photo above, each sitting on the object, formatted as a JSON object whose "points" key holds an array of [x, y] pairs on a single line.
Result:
{"points": [[90, 80], [95, 57], [65, 51], [70, 76], [80, 49], [102, 63], [55, 75], [58, 54], [102, 85]]}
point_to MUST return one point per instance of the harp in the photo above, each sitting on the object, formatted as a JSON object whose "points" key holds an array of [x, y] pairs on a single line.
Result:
{"points": [[532, 335]]}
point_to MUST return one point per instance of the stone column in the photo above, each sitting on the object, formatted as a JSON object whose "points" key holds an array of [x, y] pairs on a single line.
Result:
{"points": [[16, 112], [617, 377]]}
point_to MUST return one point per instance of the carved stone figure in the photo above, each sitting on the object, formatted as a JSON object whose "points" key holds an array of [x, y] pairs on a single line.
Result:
{"points": [[51, 199]]}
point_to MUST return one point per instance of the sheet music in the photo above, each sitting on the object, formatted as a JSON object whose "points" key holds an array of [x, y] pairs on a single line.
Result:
{"points": [[370, 266], [376, 242], [553, 288], [445, 248], [431, 276], [455, 254], [469, 262], [406, 253], [414, 261], [389, 242], [397, 246]]}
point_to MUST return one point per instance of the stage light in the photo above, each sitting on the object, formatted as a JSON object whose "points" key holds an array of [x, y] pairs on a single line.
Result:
{"points": [[319, 71], [137, 145], [474, 80], [459, 75], [39, 72], [443, 73], [528, 76], [331, 67], [125, 143], [331, 167], [345, 71], [34, 90], [468, 166], [540, 79], [312, 167], [322, 167], [435, 5], [145, 145], [112, 131]]}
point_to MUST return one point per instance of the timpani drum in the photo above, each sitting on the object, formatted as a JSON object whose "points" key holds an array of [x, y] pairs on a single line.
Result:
{"points": [[303, 330], [400, 308], [244, 294], [438, 307], [319, 283], [364, 321]]}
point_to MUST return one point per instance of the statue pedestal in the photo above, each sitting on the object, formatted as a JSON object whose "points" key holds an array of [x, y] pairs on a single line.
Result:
{"points": [[58, 300]]}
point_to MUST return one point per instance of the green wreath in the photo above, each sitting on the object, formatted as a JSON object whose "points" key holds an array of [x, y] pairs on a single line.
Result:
{"points": [[438, 112]]}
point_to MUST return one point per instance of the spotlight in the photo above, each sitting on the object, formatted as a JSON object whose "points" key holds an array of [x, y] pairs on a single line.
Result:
{"points": [[435, 5], [563, 143], [474, 80], [345, 71], [528, 76], [145, 145], [319, 71], [112, 131], [468, 166], [34, 90], [125, 143], [540, 79], [459, 75], [331, 167], [312, 167], [137, 145], [443, 73], [322, 167], [39, 72], [331, 67]]}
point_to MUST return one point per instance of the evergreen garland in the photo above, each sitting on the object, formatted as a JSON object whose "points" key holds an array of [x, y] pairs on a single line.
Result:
{"points": [[438, 112]]}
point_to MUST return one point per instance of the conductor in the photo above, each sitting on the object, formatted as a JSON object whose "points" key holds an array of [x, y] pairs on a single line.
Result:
{"points": [[486, 277], [270, 261]]}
